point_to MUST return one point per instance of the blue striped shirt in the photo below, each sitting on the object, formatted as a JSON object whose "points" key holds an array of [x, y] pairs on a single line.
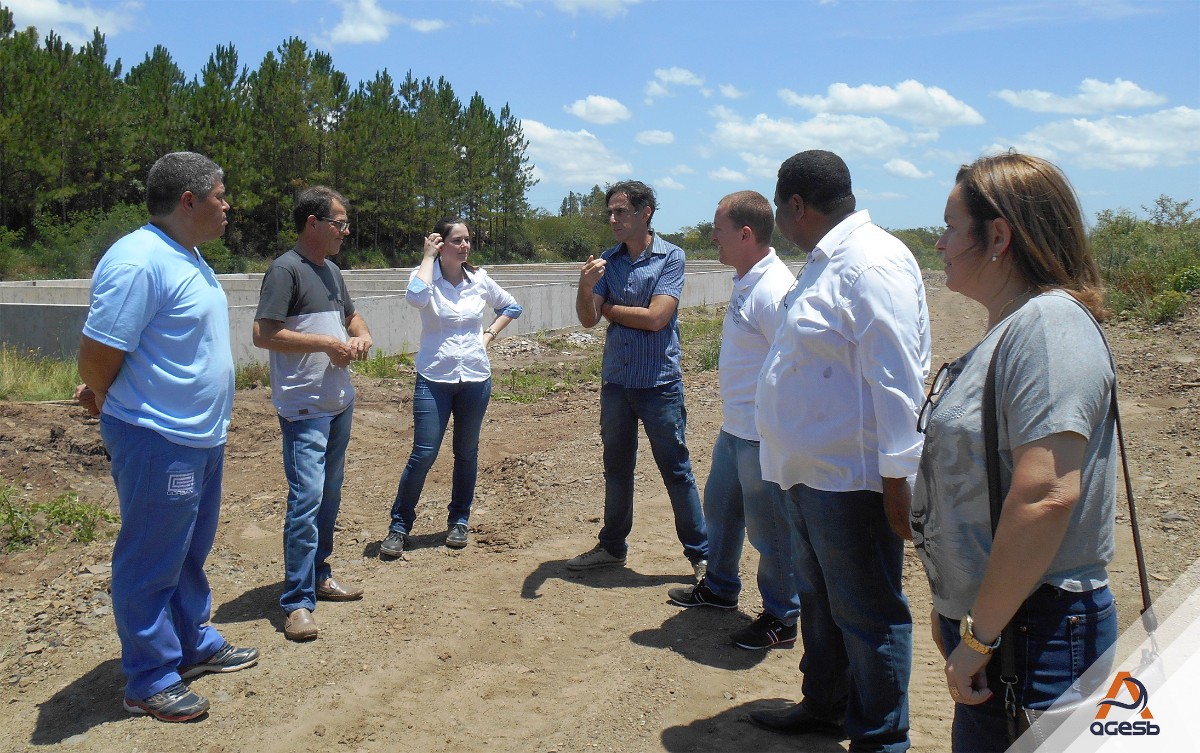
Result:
{"points": [[634, 357]]}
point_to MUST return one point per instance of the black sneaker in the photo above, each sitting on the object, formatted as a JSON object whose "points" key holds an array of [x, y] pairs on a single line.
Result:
{"points": [[765, 632], [456, 536], [173, 704], [393, 545], [226, 659], [699, 595]]}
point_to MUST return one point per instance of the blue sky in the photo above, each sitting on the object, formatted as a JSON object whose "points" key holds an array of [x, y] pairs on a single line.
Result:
{"points": [[703, 98]]}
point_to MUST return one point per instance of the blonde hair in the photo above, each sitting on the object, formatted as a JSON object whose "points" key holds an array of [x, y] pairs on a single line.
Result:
{"points": [[1049, 243]]}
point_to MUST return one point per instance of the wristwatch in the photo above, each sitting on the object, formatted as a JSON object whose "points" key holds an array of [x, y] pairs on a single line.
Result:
{"points": [[973, 643]]}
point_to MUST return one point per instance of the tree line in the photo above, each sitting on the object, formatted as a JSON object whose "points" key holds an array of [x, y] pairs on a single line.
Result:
{"points": [[77, 137]]}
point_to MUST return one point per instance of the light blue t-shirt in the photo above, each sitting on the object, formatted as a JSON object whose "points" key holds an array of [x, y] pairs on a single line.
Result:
{"points": [[163, 306]]}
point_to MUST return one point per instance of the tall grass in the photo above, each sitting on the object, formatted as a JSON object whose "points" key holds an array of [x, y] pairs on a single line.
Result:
{"points": [[26, 375]]}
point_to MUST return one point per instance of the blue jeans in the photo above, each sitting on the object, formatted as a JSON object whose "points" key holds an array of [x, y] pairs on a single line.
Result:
{"points": [[314, 461], [662, 413], [170, 500], [737, 500], [854, 619], [433, 404], [1057, 636]]}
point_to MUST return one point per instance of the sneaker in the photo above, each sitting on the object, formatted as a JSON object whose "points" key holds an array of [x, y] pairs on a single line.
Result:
{"points": [[393, 545], [597, 557], [699, 595], [765, 632], [226, 659], [456, 536], [700, 569], [173, 704]]}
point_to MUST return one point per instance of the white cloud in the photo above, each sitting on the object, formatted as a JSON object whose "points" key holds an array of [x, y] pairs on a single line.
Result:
{"points": [[75, 23], [1168, 138], [598, 110], [910, 100], [772, 140], [1093, 97], [902, 168], [665, 78], [678, 76], [728, 175], [365, 22], [670, 183], [571, 157], [605, 8], [681, 170], [655, 137], [729, 91]]}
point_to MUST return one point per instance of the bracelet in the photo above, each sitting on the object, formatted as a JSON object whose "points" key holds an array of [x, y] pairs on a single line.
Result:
{"points": [[973, 643], [489, 332]]}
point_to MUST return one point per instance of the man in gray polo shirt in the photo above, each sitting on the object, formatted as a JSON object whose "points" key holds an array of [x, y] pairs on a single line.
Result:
{"points": [[306, 319]]}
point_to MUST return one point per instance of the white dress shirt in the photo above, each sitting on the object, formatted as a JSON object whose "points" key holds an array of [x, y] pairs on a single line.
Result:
{"points": [[452, 324], [838, 396]]}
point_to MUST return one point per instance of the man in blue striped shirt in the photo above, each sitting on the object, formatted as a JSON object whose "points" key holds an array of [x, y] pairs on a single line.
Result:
{"points": [[636, 285]]}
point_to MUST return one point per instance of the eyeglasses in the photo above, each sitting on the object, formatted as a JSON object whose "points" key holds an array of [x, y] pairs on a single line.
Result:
{"points": [[341, 225], [941, 381]]}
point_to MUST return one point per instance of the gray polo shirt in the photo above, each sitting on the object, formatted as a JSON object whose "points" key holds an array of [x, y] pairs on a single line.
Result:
{"points": [[311, 299]]}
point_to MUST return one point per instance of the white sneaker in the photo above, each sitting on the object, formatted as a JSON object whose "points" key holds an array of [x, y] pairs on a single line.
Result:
{"points": [[598, 557]]}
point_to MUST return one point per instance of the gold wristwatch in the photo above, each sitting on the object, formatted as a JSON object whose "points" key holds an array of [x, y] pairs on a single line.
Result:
{"points": [[973, 643]]}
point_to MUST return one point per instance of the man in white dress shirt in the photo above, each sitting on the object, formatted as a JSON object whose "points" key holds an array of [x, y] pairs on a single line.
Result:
{"points": [[836, 407]]}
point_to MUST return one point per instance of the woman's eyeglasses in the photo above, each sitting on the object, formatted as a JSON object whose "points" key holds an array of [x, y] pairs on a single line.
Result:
{"points": [[940, 382]]}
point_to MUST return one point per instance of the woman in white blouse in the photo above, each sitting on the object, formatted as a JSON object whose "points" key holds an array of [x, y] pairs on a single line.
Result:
{"points": [[454, 376]]}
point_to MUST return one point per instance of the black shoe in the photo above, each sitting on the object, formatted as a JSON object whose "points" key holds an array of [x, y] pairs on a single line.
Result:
{"points": [[699, 595], [796, 721], [173, 704], [456, 536], [393, 545], [765, 632]]}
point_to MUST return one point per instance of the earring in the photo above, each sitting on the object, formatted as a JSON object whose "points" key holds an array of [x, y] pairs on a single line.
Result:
{"points": [[993, 257]]}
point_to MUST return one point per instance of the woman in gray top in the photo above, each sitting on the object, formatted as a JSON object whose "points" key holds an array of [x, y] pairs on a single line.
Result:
{"points": [[1015, 242]]}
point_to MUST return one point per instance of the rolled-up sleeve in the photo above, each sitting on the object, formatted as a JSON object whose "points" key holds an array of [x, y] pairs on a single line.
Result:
{"points": [[418, 292], [501, 301], [891, 330]]}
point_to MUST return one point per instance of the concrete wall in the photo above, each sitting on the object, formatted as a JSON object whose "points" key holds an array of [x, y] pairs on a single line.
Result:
{"points": [[52, 327]]}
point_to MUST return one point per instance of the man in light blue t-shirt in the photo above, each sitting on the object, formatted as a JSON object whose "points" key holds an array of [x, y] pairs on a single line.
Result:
{"points": [[158, 370], [306, 319]]}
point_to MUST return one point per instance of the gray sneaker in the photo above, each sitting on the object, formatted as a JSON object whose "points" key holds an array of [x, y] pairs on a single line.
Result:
{"points": [[598, 557], [226, 659], [173, 704]]}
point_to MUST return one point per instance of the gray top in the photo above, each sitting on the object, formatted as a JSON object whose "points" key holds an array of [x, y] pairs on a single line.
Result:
{"points": [[312, 299], [1053, 375]]}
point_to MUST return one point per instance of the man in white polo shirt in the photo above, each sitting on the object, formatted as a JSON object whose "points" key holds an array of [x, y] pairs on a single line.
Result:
{"points": [[737, 502]]}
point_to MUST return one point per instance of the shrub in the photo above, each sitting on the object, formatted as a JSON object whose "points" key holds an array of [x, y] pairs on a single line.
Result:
{"points": [[1166, 306], [1186, 280]]}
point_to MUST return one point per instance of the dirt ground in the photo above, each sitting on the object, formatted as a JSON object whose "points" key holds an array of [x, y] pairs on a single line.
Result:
{"points": [[497, 646]]}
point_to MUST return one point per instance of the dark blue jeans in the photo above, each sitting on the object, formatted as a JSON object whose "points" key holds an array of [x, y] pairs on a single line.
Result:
{"points": [[662, 413], [854, 619], [1057, 636], [433, 405]]}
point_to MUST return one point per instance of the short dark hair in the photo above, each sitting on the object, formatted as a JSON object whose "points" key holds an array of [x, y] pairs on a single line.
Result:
{"points": [[640, 195], [750, 209], [820, 178], [316, 201], [176, 173]]}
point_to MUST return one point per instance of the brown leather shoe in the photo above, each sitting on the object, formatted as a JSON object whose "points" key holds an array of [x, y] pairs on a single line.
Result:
{"points": [[330, 590], [300, 626]]}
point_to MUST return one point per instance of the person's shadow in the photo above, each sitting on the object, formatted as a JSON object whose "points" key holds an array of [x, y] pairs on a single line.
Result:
{"points": [[731, 730], [601, 577], [261, 602], [88, 702], [701, 635]]}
